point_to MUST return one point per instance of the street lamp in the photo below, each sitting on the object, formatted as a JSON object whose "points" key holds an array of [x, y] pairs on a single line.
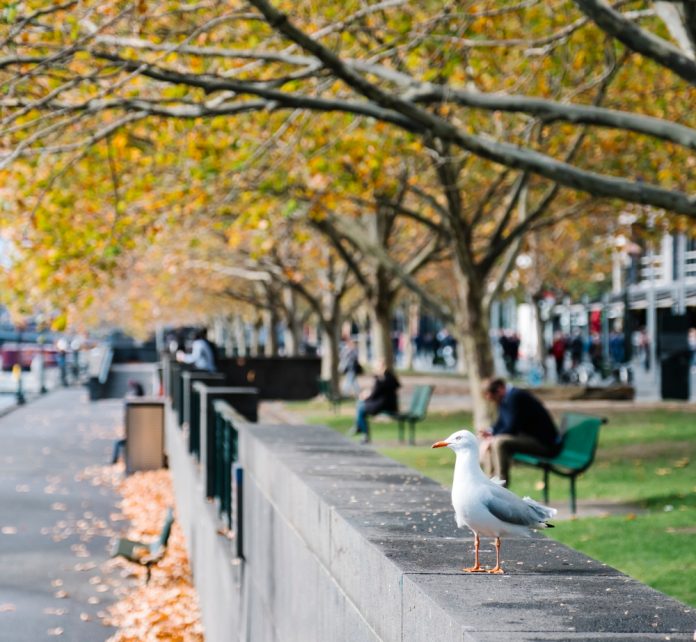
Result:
{"points": [[17, 376]]}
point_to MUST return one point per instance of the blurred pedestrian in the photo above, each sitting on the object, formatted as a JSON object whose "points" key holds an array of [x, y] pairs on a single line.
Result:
{"points": [[350, 368], [558, 351]]}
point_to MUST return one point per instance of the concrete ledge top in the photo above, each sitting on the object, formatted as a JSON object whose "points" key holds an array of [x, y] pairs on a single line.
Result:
{"points": [[549, 591]]}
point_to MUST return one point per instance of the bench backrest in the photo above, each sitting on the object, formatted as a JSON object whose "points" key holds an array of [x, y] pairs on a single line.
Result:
{"points": [[580, 439], [419, 401], [166, 531], [324, 387]]}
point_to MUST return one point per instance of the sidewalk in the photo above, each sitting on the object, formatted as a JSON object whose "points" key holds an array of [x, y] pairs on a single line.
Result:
{"points": [[55, 518]]}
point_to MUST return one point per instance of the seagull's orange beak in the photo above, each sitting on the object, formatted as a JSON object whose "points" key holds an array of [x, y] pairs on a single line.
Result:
{"points": [[440, 444]]}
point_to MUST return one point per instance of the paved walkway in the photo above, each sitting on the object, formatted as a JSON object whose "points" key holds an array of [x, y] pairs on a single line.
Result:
{"points": [[55, 518]]}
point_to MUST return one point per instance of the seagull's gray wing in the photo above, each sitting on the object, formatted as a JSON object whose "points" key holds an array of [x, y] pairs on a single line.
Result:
{"points": [[509, 508]]}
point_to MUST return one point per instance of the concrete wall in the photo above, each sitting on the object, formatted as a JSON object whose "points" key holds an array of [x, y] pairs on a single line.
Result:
{"points": [[343, 544]]}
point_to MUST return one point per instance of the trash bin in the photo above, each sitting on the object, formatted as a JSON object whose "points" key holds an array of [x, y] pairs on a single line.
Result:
{"points": [[675, 370], [95, 389], [144, 434]]}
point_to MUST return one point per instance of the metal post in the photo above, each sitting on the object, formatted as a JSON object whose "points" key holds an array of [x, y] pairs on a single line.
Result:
{"points": [[17, 371], [679, 276], [652, 321], [17, 375], [42, 366], [239, 512]]}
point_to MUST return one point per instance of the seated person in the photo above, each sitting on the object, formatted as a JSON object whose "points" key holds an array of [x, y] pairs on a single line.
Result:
{"points": [[524, 425], [201, 356], [382, 398]]}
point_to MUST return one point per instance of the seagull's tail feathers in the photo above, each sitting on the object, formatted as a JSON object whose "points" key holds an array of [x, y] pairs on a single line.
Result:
{"points": [[541, 512]]}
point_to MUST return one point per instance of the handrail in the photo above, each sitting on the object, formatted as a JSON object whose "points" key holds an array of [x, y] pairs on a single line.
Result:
{"points": [[226, 455], [228, 412], [105, 365]]}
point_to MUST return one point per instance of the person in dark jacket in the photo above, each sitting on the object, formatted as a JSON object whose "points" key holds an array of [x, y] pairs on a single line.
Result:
{"points": [[382, 398], [524, 425]]}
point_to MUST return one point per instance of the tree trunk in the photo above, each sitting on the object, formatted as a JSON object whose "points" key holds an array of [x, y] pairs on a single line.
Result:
{"points": [[363, 336], [256, 350], [413, 312], [542, 349], [382, 346], [240, 336], [228, 343], [293, 329], [331, 340], [476, 344], [271, 324]]}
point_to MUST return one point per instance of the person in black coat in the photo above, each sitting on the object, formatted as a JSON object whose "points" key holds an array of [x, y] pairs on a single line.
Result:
{"points": [[524, 425], [382, 398]]}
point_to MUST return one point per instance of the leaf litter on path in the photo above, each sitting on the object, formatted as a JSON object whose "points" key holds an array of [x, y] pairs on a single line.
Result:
{"points": [[167, 607]]}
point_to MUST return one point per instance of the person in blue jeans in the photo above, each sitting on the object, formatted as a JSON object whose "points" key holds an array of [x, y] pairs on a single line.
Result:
{"points": [[381, 398]]}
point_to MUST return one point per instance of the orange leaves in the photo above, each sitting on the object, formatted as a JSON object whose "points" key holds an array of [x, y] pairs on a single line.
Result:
{"points": [[166, 608]]}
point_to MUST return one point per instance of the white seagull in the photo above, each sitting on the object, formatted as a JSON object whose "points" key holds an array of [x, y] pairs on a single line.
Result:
{"points": [[483, 505]]}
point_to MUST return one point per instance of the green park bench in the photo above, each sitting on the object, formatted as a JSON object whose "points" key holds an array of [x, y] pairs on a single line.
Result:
{"points": [[326, 391], [146, 554], [415, 413], [580, 438]]}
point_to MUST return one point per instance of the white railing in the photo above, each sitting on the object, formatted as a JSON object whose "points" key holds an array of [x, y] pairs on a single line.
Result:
{"points": [[690, 264], [652, 268]]}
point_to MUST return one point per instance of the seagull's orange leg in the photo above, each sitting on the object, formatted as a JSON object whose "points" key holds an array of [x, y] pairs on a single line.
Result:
{"points": [[476, 568], [498, 568]]}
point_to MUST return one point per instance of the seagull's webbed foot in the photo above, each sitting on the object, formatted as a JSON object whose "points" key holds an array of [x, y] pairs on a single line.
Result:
{"points": [[476, 568], [497, 569]]}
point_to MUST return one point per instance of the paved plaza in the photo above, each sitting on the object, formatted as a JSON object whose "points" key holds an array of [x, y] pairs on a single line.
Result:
{"points": [[56, 519]]}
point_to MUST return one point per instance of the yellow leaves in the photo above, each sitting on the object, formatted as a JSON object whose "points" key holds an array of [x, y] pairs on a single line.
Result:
{"points": [[59, 323], [579, 60], [234, 238], [120, 140], [480, 25], [666, 174]]}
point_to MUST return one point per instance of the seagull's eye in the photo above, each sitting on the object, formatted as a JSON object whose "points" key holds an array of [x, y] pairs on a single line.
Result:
{"points": [[459, 438]]}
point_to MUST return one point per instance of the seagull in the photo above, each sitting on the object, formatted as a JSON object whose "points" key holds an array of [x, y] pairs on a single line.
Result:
{"points": [[483, 505]]}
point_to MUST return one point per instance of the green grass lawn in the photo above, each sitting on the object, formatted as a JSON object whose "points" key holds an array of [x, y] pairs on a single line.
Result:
{"points": [[645, 458]]}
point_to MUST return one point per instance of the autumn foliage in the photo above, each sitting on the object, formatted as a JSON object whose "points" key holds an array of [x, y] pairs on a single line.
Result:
{"points": [[166, 608]]}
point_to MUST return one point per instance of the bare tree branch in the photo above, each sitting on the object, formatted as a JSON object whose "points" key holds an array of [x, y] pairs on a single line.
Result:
{"points": [[502, 153], [637, 39]]}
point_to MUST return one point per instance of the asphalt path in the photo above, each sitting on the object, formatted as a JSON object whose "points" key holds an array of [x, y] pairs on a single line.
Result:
{"points": [[57, 518]]}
